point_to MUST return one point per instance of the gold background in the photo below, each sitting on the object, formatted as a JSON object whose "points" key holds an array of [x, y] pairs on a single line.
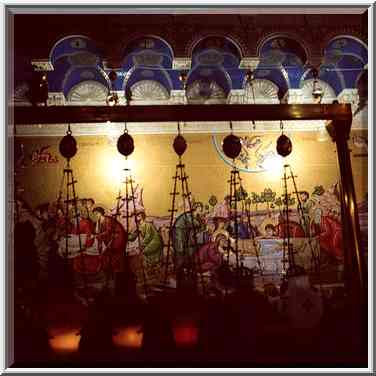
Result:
{"points": [[97, 168]]}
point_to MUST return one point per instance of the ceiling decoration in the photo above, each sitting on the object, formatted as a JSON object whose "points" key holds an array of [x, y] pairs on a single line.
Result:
{"points": [[88, 91], [264, 91], [147, 90]]}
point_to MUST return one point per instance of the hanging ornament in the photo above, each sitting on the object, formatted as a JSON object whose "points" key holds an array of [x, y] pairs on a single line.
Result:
{"points": [[180, 144], [284, 144], [112, 75], [231, 145], [125, 143], [68, 145]]}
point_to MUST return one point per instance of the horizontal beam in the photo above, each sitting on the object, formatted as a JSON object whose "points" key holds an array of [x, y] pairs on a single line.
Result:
{"points": [[174, 113]]}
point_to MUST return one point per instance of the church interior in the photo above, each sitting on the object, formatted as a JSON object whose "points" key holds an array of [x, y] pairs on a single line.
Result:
{"points": [[188, 189]]}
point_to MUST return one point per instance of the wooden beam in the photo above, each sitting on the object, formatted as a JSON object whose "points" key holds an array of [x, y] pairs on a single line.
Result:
{"points": [[174, 113]]}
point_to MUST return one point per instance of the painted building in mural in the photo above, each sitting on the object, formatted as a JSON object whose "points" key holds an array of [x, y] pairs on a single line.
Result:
{"points": [[216, 65]]}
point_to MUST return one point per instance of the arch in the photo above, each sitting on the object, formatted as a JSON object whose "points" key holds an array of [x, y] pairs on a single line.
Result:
{"points": [[218, 34], [155, 52], [75, 76], [363, 50], [136, 74], [290, 36], [72, 44], [142, 36]]}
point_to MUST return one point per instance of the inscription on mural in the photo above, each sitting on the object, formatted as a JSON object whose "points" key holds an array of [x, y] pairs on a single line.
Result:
{"points": [[43, 156]]}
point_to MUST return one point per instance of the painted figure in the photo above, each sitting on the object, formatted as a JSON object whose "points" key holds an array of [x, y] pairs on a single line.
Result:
{"points": [[112, 240], [183, 235], [306, 205], [210, 255], [151, 243], [330, 235]]}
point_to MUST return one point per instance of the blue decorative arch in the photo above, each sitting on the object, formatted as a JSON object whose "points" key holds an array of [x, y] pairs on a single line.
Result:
{"points": [[347, 56], [154, 74], [287, 54], [77, 75], [148, 51], [73, 45], [216, 50]]}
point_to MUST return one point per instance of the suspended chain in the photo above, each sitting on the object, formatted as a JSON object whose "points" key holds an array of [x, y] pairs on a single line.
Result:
{"points": [[82, 249], [255, 245], [235, 180], [109, 271], [173, 210], [129, 180], [291, 258], [187, 194], [315, 259], [70, 184]]}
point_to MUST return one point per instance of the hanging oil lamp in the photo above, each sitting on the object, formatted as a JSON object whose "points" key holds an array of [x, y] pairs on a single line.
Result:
{"points": [[231, 145], [284, 144], [180, 144], [125, 143], [68, 145]]}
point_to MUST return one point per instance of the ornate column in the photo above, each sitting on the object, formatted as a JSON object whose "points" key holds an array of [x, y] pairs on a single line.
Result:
{"points": [[355, 271]]}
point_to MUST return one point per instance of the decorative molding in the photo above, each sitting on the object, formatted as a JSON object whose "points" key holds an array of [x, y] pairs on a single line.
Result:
{"points": [[42, 65], [249, 63], [182, 63], [148, 90], [264, 92], [88, 91], [56, 99], [112, 129], [236, 96]]}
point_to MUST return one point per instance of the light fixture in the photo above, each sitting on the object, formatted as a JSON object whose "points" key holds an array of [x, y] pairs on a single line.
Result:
{"points": [[317, 91], [112, 99]]}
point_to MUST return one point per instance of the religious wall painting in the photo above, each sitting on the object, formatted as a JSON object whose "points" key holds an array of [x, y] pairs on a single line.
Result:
{"points": [[260, 244], [43, 155]]}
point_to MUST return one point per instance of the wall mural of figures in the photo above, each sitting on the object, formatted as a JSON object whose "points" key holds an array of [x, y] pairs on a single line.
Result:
{"points": [[315, 230], [320, 232]]}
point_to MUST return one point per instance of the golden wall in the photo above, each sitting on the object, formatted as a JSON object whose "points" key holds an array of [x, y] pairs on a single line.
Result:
{"points": [[97, 168]]}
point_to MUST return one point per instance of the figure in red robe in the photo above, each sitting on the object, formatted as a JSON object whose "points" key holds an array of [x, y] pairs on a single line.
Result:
{"points": [[112, 240], [331, 235]]}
